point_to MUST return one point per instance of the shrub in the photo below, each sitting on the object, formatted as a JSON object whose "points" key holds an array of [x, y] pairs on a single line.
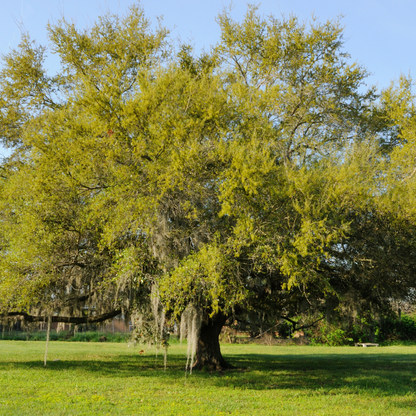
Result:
{"points": [[395, 329], [329, 334], [88, 336]]}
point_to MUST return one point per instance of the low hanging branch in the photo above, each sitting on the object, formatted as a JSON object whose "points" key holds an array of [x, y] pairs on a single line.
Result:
{"points": [[292, 322], [67, 319]]}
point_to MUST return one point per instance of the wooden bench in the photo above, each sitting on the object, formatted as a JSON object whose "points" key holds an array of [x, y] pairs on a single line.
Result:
{"points": [[365, 344]]}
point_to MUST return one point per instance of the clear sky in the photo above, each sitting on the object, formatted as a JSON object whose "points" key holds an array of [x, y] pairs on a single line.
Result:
{"points": [[379, 34]]}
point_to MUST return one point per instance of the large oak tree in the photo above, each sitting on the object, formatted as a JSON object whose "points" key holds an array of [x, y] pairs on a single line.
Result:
{"points": [[257, 177]]}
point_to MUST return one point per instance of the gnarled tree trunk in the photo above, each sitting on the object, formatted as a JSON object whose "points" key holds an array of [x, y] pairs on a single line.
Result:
{"points": [[208, 354]]}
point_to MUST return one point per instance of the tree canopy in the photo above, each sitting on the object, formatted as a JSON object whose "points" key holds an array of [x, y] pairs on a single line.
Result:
{"points": [[261, 177]]}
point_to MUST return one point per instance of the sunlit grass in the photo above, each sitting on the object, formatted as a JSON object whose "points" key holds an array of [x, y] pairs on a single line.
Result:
{"points": [[104, 378]]}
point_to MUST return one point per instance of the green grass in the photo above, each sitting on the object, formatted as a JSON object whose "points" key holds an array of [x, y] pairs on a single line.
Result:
{"points": [[105, 378]]}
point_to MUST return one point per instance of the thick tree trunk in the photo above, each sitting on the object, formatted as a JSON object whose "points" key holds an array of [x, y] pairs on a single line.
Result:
{"points": [[208, 354]]}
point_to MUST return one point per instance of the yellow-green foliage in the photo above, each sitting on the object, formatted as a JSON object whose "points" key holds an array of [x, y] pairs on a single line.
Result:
{"points": [[209, 278], [256, 172]]}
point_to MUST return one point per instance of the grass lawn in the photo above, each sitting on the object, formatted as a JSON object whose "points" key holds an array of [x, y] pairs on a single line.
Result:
{"points": [[106, 378]]}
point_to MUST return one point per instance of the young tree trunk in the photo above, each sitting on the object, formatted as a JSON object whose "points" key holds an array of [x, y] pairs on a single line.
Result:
{"points": [[208, 354], [48, 331]]}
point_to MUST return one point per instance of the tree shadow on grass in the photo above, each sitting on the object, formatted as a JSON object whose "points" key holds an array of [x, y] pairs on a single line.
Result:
{"points": [[332, 373], [120, 366], [386, 374]]}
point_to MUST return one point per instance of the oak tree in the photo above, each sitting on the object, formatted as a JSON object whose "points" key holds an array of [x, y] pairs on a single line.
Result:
{"points": [[257, 178]]}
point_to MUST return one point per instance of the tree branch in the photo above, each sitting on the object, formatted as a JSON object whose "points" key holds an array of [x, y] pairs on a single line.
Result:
{"points": [[410, 176], [303, 326], [67, 319], [292, 322], [80, 298]]}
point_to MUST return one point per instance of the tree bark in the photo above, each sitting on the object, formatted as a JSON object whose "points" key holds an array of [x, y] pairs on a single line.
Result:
{"points": [[208, 353]]}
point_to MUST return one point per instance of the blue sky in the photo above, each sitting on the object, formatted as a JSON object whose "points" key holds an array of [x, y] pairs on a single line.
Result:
{"points": [[379, 34]]}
